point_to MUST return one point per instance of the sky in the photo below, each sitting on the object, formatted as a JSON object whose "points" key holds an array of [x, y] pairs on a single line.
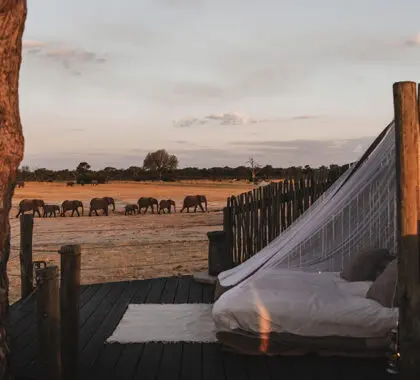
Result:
{"points": [[214, 82]]}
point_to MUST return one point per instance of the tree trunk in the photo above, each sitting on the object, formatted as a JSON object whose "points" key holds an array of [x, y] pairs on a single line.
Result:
{"points": [[12, 24]]}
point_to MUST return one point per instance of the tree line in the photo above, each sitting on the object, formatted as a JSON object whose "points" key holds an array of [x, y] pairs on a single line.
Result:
{"points": [[160, 165]]}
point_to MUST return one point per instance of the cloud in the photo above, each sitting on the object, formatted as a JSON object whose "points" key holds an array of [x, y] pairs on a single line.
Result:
{"points": [[77, 129], [32, 44], [305, 117], [233, 118], [189, 122], [413, 41], [72, 58], [229, 118]]}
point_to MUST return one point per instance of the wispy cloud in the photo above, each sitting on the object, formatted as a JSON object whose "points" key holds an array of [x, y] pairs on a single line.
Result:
{"points": [[32, 44], [70, 57], [305, 117], [233, 118], [77, 129], [189, 122], [229, 118], [413, 41]]}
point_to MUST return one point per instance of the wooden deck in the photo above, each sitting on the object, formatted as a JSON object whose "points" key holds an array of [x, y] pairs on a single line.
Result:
{"points": [[101, 309]]}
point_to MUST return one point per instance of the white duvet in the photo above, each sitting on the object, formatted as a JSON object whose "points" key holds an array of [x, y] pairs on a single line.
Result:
{"points": [[302, 303]]}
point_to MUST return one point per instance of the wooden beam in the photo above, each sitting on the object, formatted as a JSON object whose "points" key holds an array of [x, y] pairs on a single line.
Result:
{"points": [[407, 171], [69, 306], [26, 266], [48, 310], [418, 153]]}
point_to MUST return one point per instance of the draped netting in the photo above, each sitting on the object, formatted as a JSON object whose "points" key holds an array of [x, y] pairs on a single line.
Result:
{"points": [[358, 211]]}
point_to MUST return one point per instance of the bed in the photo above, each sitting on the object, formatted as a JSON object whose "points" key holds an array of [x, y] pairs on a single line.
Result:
{"points": [[300, 312]]}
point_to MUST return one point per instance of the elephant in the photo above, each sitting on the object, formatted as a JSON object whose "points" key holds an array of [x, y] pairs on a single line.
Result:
{"points": [[100, 204], [110, 202], [194, 201], [70, 184], [148, 202], [94, 182], [30, 204], [20, 184], [49, 210], [131, 209], [166, 204], [71, 206]]}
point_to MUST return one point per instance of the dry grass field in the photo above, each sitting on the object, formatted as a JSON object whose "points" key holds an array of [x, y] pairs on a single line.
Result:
{"points": [[119, 247]]}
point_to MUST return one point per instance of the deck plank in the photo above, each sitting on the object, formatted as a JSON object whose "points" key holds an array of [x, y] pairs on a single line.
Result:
{"points": [[191, 367], [27, 343], [131, 353], [103, 305], [97, 342], [89, 309], [170, 365], [151, 358]]}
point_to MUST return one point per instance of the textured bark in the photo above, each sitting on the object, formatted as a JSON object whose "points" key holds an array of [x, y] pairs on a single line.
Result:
{"points": [[12, 24]]}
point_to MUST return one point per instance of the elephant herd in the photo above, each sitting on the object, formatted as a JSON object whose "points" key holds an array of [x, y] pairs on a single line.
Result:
{"points": [[102, 204]]}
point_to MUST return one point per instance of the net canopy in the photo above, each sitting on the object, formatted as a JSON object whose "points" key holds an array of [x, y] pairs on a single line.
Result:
{"points": [[358, 211]]}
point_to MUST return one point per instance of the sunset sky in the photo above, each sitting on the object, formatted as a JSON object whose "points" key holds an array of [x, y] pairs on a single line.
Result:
{"points": [[287, 82]]}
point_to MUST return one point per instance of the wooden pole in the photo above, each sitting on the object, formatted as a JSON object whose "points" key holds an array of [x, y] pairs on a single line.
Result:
{"points": [[48, 309], [69, 301], [26, 266], [418, 153], [406, 140]]}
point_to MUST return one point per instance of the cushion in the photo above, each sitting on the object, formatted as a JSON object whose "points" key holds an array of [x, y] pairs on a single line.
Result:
{"points": [[383, 288], [367, 265]]}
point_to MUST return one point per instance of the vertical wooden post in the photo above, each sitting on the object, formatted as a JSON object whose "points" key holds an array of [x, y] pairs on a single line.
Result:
{"points": [[69, 301], [26, 267], [219, 258], [418, 153], [406, 140], [48, 309]]}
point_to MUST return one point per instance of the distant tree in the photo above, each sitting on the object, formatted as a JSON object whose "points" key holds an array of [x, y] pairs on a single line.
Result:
{"points": [[255, 168], [160, 161], [110, 169], [83, 167]]}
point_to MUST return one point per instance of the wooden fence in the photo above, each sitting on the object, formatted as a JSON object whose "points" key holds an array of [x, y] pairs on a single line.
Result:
{"points": [[253, 219]]}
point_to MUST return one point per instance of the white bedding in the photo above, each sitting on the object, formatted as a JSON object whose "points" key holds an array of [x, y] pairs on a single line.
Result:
{"points": [[302, 303]]}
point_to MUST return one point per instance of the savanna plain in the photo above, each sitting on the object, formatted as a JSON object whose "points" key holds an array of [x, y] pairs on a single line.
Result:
{"points": [[123, 247]]}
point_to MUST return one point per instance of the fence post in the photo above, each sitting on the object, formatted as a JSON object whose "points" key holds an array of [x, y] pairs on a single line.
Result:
{"points": [[48, 310], [406, 141], [219, 258], [26, 267], [69, 306]]}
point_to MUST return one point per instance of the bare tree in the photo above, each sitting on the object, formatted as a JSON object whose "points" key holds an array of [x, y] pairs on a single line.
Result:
{"points": [[12, 24], [255, 168], [160, 161]]}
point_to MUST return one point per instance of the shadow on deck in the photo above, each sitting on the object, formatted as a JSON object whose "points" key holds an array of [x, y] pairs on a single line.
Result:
{"points": [[103, 305]]}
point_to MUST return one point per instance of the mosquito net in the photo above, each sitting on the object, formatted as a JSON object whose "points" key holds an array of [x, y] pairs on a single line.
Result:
{"points": [[357, 211]]}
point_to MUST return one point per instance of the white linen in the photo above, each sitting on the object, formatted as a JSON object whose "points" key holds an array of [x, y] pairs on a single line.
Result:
{"points": [[143, 323], [302, 303]]}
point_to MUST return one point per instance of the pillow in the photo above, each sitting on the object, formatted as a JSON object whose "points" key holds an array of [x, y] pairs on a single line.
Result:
{"points": [[366, 265], [382, 290]]}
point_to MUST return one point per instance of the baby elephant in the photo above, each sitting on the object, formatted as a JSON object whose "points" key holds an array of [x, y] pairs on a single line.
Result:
{"points": [[49, 210], [166, 204], [131, 209]]}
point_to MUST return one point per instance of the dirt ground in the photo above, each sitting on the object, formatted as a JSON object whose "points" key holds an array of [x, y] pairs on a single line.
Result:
{"points": [[119, 247]]}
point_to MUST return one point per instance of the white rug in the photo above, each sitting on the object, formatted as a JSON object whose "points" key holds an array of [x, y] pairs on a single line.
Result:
{"points": [[143, 323]]}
